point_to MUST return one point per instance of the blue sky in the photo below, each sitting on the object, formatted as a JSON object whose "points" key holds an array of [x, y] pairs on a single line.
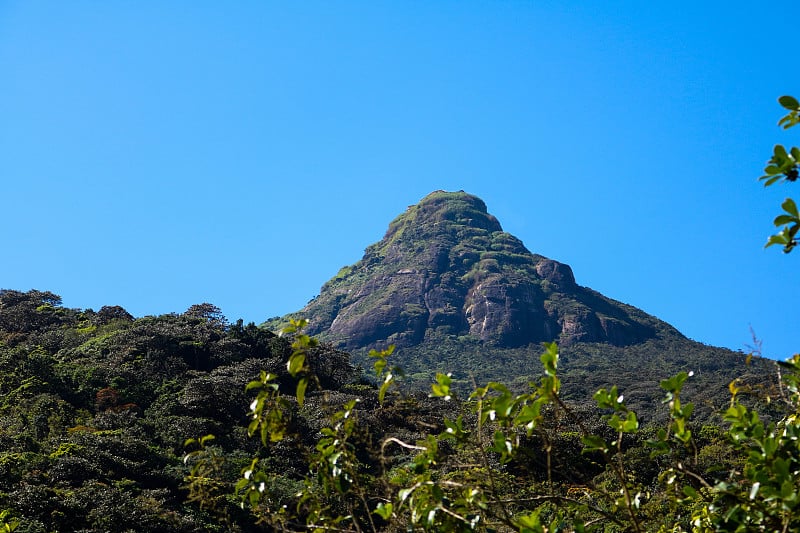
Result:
{"points": [[159, 154]]}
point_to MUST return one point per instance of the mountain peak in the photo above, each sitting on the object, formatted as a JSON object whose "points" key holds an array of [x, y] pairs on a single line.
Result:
{"points": [[445, 266], [448, 207]]}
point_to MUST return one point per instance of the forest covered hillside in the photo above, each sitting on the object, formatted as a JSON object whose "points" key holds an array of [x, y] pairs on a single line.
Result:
{"points": [[114, 423], [457, 294], [95, 407]]}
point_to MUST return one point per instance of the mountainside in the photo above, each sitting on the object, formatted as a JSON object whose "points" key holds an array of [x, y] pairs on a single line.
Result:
{"points": [[446, 266], [455, 293]]}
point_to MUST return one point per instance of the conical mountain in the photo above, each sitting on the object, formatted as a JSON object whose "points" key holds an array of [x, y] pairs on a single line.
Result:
{"points": [[446, 266], [457, 294]]}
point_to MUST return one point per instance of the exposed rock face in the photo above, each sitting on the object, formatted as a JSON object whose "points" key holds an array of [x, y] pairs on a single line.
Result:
{"points": [[446, 265]]}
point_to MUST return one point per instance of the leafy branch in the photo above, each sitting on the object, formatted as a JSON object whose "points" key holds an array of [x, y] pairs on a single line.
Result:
{"points": [[784, 166]]}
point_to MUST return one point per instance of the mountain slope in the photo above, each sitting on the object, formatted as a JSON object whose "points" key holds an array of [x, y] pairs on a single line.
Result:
{"points": [[446, 266], [455, 293]]}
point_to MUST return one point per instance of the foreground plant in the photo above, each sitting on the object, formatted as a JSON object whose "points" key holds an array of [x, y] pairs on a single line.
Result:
{"points": [[464, 477]]}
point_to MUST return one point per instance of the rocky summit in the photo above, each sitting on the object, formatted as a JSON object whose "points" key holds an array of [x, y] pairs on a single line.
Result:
{"points": [[446, 267]]}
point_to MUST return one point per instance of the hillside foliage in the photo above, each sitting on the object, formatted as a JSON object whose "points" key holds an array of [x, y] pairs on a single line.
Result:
{"points": [[115, 423]]}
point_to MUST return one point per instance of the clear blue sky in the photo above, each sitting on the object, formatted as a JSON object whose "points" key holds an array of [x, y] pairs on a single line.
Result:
{"points": [[159, 154]]}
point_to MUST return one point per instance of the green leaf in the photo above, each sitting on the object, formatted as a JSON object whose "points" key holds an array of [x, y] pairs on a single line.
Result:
{"points": [[441, 389], [614, 422], [789, 103], [301, 391], [658, 447], [388, 380], [630, 425], [675, 383], [604, 399], [296, 362], [790, 207], [549, 358], [253, 385], [593, 443], [787, 490], [384, 510], [782, 220], [502, 446], [689, 491], [528, 413], [403, 494], [530, 522], [781, 238]]}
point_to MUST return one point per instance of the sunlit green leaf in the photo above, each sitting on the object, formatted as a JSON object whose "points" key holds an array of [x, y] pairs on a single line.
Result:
{"points": [[388, 380], [296, 362], [384, 510], [301, 391]]}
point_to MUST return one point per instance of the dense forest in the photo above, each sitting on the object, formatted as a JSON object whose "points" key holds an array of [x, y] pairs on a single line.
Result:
{"points": [[106, 423], [96, 407]]}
